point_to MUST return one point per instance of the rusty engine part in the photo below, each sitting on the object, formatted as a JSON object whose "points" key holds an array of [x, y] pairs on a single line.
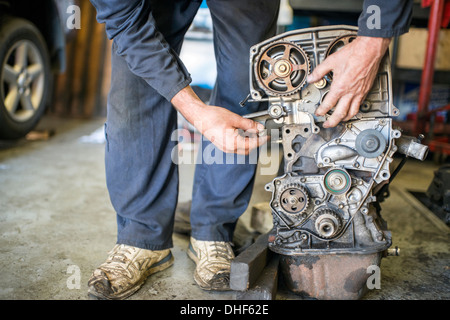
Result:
{"points": [[282, 68], [327, 225]]}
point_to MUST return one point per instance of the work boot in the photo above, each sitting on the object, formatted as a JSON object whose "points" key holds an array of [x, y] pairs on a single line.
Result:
{"points": [[213, 263], [125, 271], [182, 221]]}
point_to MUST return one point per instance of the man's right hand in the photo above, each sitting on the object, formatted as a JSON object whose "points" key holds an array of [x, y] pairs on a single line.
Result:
{"points": [[228, 131]]}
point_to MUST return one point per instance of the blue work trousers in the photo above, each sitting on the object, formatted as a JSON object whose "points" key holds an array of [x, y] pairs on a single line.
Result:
{"points": [[141, 177]]}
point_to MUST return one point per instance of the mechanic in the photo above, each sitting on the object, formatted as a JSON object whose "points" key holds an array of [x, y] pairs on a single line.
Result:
{"points": [[149, 84]]}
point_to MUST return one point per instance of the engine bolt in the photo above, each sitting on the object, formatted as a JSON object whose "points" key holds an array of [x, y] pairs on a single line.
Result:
{"points": [[320, 84]]}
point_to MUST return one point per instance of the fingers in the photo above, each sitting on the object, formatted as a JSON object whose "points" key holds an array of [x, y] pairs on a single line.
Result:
{"points": [[247, 124], [329, 102], [354, 107], [320, 71], [346, 108], [245, 144], [340, 112], [246, 136], [235, 141], [239, 136]]}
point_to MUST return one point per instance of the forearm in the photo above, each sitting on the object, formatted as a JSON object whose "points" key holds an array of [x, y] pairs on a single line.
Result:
{"points": [[385, 18], [375, 47], [136, 38], [189, 105]]}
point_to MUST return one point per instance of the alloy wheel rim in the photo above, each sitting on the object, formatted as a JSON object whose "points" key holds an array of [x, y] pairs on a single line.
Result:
{"points": [[22, 80]]}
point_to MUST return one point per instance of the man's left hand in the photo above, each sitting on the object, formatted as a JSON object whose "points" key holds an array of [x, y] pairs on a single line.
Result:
{"points": [[354, 68]]}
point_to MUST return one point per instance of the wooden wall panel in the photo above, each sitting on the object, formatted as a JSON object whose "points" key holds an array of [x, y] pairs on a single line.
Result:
{"points": [[81, 91], [412, 47]]}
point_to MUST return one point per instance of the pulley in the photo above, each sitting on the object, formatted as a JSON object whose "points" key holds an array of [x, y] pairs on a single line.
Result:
{"points": [[282, 68], [337, 181], [370, 143]]}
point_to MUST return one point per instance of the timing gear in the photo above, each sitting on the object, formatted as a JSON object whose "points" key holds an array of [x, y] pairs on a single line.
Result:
{"points": [[282, 68], [294, 200], [327, 223], [337, 45]]}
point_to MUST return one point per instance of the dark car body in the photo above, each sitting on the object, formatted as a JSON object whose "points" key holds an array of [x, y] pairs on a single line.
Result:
{"points": [[37, 32], [50, 17]]}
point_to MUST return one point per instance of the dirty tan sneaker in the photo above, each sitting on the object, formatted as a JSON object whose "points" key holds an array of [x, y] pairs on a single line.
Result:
{"points": [[213, 263], [125, 270]]}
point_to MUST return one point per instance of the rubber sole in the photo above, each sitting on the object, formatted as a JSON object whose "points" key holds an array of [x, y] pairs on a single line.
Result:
{"points": [[222, 280]]}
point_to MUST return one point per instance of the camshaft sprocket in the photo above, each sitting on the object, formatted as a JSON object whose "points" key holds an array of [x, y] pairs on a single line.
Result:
{"points": [[282, 68]]}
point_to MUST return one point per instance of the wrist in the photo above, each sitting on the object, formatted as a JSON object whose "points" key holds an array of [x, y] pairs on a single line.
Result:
{"points": [[189, 104], [374, 46]]}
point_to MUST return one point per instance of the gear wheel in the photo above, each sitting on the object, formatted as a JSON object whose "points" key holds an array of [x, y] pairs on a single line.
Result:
{"points": [[281, 68], [340, 42], [327, 222], [294, 199], [337, 45]]}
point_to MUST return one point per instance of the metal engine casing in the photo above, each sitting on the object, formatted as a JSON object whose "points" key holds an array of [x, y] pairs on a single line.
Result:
{"points": [[325, 203]]}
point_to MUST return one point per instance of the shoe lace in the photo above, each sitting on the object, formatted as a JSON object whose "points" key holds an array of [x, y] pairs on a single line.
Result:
{"points": [[121, 254], [221, 250]]}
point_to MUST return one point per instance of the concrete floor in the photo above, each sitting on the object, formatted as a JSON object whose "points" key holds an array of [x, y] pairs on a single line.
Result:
{"points": [[57, 225]]}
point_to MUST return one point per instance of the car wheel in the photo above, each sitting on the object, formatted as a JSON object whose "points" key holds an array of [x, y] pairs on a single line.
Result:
{"points": [[25, 77]]}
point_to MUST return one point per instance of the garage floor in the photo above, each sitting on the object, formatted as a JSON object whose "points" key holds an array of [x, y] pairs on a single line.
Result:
{"points": [[56, 222]]}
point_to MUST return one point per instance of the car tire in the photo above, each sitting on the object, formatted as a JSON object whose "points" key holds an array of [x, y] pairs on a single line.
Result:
{"points": [[25, 77]]}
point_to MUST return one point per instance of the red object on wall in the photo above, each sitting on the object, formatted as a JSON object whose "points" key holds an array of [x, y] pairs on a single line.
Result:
{"points": [[439, 17]]}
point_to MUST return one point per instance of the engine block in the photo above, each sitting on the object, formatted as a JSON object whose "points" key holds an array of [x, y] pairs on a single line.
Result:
{"points": [[327, 199]]}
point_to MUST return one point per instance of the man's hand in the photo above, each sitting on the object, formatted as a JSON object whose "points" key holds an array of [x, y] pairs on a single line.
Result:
{"points": [[354, 69], [228, 131]]}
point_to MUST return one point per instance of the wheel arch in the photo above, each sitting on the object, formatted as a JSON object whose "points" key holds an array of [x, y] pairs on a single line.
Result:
{"points": [[49, 16], [17, 119]]}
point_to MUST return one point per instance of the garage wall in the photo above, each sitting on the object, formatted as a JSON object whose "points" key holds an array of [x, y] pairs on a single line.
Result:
{"points": [[81, 90]]}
